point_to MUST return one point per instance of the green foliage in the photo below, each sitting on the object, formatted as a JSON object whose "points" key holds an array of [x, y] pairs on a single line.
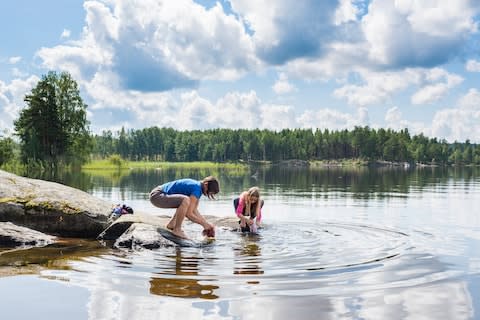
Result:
{"points": [[6, 150], [53, 128], [223, 145], [116, 160]]}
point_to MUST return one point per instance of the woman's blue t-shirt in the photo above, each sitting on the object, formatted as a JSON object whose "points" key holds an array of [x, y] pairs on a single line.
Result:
{"points": [[188, 187]]}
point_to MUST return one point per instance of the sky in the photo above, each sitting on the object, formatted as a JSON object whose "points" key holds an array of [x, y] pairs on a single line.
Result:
{"points": [[191, 64]]}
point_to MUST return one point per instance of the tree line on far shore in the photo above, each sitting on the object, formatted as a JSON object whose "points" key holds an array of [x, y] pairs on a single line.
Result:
{"points": [[220, 145], [53, 131]]}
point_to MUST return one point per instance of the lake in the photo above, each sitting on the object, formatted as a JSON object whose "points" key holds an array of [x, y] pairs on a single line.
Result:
{"points": [[385, 243]]}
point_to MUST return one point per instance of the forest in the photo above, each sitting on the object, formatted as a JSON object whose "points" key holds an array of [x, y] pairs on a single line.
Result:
{"points": [[221, 145]]}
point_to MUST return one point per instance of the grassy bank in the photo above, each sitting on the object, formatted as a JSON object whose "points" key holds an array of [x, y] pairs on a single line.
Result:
{"points": [[109, 165]]}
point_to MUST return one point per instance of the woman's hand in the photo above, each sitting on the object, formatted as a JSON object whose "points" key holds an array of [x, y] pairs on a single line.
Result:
{"points": [[209, 230]]}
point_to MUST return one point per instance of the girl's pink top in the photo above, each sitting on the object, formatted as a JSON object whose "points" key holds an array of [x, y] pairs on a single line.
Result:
{"points": [[241, 206]]}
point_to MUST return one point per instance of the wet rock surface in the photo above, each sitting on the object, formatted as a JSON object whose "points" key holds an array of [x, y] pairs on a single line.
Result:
{"points": [[13, 236]]}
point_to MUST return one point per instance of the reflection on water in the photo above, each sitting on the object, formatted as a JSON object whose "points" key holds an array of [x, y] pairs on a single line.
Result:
{"points": [[56, 256], [362, 182], [247, 257], [360, 244], [182, 288], [178, 280]]}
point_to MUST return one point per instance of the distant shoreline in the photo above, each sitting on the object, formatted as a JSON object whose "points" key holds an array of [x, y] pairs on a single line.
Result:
{"points": [[242, 165]]}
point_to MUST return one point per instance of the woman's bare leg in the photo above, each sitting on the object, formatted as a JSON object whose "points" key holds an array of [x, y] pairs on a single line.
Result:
{"points": [[175, 224]]}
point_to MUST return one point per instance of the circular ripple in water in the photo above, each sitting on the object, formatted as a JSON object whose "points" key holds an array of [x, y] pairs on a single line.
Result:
{"points": [[296, 248], [283, 259]]}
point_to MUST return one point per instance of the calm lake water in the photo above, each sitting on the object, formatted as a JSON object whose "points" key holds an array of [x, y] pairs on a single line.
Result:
{"points": [[337, 244]]}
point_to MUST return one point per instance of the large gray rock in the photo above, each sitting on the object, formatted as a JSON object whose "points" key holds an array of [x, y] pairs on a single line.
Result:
{"points": [[51, 207]]}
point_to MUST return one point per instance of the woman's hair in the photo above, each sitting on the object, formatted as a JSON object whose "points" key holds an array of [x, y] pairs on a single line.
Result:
{"points": [[213, 187], [249, 207]]}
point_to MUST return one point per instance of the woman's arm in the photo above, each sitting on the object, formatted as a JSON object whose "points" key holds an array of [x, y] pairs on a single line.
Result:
{"points": [[194, 215]]}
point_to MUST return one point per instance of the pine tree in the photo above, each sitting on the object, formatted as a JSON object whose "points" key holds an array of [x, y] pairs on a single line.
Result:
{"points": [[53, 128]]}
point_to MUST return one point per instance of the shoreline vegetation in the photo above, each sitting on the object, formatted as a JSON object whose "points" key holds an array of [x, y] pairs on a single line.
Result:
{"points": [[117, 164], [235, 150], [120, 164], [109, 164]]}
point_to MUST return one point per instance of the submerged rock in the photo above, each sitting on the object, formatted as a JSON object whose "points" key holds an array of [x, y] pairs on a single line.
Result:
{"points": [[141, 235], [140, 230], [122, 224], [51, 207]]}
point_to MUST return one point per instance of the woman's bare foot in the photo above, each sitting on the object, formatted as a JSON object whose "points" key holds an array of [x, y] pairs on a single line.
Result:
{"points": [[169, 227], [180, 234]]}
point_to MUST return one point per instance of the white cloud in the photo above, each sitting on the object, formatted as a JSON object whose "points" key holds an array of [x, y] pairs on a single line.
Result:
{"points": [[11, 99], [282, 86], [14, 60], [238, 110], [156, 46], [277, 117], [17, 73], [394, 120], [345, 12], [186, 111], [429, 93], [433, 92], [473, 65], [285, 30], [459, 123], [260, 17], [438, 18], [380, 87], [453, 124], [65, 34], [333, 119], [235, 110], [393, 116], [417, 33]]}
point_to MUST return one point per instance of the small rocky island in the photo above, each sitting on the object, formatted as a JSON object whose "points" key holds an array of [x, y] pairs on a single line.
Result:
{"points": [[37, 213]]}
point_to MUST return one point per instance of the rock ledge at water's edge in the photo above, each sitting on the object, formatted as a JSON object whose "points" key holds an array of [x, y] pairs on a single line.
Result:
{"points": [[58, 210], [51, 207]]}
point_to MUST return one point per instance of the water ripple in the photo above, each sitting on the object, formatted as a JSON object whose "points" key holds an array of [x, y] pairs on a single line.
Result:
{"points": [[284, 259]]}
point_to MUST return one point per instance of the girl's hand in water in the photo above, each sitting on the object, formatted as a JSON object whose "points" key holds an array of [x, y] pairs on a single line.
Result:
{"points": [[243, 222]]}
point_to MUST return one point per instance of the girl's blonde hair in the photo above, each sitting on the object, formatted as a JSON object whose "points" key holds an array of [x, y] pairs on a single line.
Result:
{"points": [[252, 192]]}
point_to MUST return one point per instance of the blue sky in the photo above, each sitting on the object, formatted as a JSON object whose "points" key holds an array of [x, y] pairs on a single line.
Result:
{"points": [[252, 64]]}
